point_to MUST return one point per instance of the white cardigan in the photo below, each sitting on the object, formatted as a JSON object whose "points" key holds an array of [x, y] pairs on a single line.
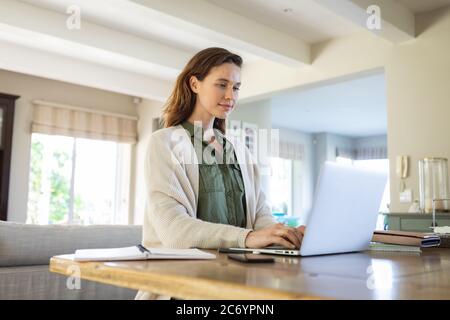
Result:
{"points": [[172, 175]]}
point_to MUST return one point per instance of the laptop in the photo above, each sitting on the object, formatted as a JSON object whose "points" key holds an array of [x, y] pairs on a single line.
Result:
{"points": [[344, 213]]}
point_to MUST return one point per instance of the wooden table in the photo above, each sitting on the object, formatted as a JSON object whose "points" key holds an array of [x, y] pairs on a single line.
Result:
{"points": [[364, 275]]}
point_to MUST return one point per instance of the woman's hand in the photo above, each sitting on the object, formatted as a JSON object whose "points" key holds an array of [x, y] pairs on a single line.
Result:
{"points": [[277, 234]]}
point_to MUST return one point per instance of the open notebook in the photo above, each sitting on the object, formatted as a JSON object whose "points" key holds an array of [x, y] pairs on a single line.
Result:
{"points": [[139, 252]]}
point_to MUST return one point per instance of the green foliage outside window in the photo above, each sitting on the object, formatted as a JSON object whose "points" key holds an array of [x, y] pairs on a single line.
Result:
{"points": [[58, 184]]}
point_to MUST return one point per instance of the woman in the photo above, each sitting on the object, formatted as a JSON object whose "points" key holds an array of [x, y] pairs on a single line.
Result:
{"points": [[203, 191], [195, 199]]}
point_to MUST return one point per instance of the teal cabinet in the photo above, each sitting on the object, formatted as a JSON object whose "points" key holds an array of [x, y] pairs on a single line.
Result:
{"points": [[419, 222]]}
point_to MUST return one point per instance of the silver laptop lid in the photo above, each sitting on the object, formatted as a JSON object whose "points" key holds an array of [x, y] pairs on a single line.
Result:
{"points": [[345, 210]]}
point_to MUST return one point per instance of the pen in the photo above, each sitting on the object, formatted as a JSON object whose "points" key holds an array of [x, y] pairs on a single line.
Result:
{"points": [[142, 248]]}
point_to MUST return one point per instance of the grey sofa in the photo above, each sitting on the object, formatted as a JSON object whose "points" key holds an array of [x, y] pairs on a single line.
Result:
{"points": [[25, 251]]}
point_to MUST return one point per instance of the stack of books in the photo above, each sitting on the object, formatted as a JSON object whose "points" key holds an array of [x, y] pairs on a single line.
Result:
{"points": [[378, 246], [389, 240]]}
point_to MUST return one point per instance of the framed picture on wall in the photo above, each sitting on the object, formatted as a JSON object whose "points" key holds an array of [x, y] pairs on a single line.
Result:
{"points": [[234, 131], [234, 126], [250, 133]]}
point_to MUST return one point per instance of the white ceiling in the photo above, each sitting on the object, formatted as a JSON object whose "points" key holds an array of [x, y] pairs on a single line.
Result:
{"points": [[307, 19], [355, 108], [303, 19]]}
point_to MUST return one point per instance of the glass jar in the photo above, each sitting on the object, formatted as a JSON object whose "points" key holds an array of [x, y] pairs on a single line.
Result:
{"points": [[433, 184]]}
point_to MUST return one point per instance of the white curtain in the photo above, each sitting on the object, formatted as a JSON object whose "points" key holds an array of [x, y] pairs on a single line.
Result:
{"points": [[290, 150], [348, 153], [371, 153], [58, 119], [368, 153]]}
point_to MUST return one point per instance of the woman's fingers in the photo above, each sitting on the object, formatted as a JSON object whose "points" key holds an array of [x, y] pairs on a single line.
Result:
{"points": [[293, 237], [301, 229], [299, 234], [289, 234], [281, 242], [278, 234]]}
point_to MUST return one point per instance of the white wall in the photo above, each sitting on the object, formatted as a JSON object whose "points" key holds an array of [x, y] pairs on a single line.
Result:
{"points": [[325, 149], [418, 96], [335, 141], [147, 111], [347, 56], [30, 88], [259, 112], [368, 142], [320, 153]]}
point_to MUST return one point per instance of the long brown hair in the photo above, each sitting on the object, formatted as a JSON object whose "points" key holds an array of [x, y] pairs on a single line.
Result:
{"points": [[181, 102]]}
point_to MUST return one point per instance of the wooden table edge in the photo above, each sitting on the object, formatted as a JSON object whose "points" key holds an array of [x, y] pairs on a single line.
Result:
{"points": [[171, 285]]}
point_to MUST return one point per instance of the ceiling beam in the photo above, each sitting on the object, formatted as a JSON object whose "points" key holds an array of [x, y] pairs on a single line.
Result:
{"points": [[228, 29], [57, 67], [397, 21], [190, 24], [28, 25]]}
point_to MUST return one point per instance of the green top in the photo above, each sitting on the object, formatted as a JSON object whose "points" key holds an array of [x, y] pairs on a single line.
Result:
{"points": [[221, 196]]}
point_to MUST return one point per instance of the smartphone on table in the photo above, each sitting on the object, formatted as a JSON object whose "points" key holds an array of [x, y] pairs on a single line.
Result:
{"points": [[251, 258]]}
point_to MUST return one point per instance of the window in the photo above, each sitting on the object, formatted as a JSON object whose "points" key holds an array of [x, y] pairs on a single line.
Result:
{"points": [[281, 186], [78, 181]]}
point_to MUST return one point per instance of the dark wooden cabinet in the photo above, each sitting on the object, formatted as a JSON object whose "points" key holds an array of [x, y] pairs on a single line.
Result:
{"points": [[7, 104]]}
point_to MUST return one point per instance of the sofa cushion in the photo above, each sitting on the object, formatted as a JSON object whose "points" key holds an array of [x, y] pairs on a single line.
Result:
{"points": [[27, 244]]}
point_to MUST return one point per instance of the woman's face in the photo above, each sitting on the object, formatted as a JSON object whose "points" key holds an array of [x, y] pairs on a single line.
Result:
{"points": [[218, 92]]}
